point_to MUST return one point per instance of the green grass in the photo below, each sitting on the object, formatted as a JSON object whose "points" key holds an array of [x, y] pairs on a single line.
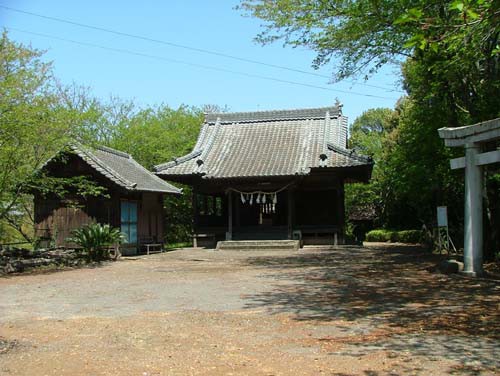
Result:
{"points": [[178, 245]]}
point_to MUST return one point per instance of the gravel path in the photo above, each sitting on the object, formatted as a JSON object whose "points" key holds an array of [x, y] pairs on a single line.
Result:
{"points": [[345, 311]]}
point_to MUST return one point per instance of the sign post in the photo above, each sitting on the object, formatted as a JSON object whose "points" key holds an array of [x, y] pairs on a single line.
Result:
{"points": [[443, 235]]}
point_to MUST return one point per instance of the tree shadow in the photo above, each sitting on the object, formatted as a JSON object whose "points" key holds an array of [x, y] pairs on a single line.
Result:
{"points": [[390, 290], [390, 285]]}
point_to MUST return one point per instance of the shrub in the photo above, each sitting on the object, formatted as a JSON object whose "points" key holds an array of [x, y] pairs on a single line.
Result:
{"points": [[378, 236], [94, 238], [410, 236], [405, 236]]}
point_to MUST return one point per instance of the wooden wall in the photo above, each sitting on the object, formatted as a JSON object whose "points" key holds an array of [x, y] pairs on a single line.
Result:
{"points": [[55, 218], [150, 221]]}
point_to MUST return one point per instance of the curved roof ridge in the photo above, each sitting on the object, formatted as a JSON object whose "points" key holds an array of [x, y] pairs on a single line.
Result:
{"points": [[351, 153], [172, 188], [208, 146], [201, 137], [270, 115], [176, 161], [113, 151]]}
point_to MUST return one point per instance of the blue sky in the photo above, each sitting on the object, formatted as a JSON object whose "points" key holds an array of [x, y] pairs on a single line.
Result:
{"points": [[210, 25]]}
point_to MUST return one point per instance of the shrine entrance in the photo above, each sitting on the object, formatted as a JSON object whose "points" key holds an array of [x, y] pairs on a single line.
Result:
{"points": [[306, 209], [474, 139], [260, 215]]}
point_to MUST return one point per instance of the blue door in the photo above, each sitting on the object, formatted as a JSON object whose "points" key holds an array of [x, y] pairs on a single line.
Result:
{"points": [[129, 221]]}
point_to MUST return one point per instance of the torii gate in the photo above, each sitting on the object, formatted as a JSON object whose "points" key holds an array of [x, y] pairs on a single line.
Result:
{"points": [[471, 137]]}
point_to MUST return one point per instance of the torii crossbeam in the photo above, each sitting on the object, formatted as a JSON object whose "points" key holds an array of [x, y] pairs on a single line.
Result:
{"points": [[471, 137]]}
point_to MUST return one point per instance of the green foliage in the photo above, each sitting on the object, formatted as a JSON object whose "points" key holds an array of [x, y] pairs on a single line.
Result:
{"points": [[360, 34], [36, 121], [154, 136], [38, 117], [406, 236], [450, 52], [378, 236], [372, 134], [179, 221], [368, 131], [363, 35], [93, 238], [30, 123]]}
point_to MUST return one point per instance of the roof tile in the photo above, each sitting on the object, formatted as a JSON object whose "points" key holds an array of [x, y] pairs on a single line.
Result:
{"points": [[268, 143], [122, 169]]}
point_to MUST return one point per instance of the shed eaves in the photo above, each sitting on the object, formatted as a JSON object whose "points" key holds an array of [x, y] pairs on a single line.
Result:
{"points": [[122, 169]]}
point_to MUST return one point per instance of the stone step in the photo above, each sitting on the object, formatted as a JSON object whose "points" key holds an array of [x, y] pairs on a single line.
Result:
{"points": [[258, 245]]}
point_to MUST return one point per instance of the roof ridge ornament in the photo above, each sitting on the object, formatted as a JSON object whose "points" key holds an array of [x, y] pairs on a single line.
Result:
{"points": [[326, 130], [200, 169], [339, 105]]}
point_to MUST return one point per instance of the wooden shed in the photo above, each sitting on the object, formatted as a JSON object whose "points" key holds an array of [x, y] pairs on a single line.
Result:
{"points": [[270, 175], [134, 203]]}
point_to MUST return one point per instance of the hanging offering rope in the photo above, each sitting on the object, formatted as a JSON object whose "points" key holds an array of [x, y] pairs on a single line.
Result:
{"points": [[261, 197]]}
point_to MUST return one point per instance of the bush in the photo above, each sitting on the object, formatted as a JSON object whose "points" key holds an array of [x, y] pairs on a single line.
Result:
{"points": [[94, 238], [405, 236], [410, 236], [378, 236]]}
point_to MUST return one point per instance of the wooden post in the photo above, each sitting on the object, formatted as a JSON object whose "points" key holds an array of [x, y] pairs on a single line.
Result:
{"points": [[195, 216], [290, 213], [237, 213], [473, 245], [229, 233], [341, 239], [339, 234]]}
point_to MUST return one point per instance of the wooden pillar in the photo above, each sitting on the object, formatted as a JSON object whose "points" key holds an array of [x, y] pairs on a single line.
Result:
{"points": [[341, 239], [237, 213], [194, 202], [473, 242], [290, 210], [229, 233]]}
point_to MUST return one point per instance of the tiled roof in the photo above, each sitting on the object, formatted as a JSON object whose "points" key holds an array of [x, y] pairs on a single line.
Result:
{"points": [[122, 169], [260, 116], [267, 143]]}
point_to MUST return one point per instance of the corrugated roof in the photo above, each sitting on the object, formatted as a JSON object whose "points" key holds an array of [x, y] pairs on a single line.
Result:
{"points": [[267, 143], [122, 169]]}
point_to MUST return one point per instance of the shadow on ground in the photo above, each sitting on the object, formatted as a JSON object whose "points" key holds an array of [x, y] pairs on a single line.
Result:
{"points": [[386, 284], [387, 299]]}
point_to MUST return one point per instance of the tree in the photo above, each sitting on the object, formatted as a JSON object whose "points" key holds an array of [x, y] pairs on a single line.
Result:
{"points": [[31, 125], [368, 131], [35, 123], [157, 135], [363, 35], [371, 134], [450, 58]]}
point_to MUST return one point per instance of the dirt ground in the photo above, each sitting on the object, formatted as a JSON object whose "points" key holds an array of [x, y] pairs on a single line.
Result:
{"points": [[346, 311]]}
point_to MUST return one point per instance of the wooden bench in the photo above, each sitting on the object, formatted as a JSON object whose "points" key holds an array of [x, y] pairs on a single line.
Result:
{"points": [[149, 244]]}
